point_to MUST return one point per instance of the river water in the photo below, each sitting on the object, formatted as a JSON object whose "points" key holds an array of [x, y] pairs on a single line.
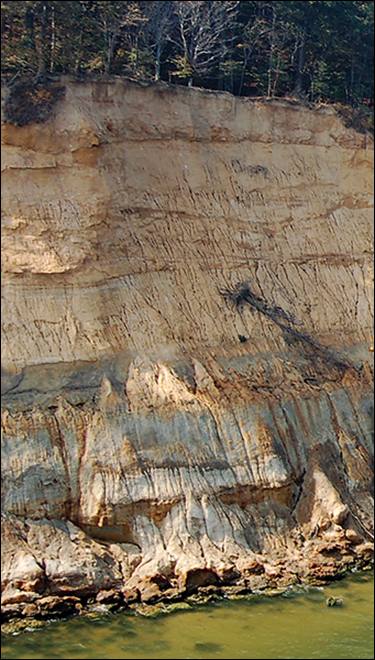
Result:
{"points": [[298, 624]]}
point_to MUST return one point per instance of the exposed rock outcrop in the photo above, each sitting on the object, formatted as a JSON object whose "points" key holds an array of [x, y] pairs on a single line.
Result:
{"points": [[158, 441]]}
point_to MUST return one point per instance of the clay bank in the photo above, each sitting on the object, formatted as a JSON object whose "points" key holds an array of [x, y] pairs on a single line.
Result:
{"points": [[187, 328]]}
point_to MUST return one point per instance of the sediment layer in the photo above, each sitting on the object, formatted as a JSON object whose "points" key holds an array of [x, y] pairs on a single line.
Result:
{"points": [[157, 440]]}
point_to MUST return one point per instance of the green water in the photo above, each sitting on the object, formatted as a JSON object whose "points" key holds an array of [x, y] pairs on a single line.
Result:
{"points": [[296, 625]]}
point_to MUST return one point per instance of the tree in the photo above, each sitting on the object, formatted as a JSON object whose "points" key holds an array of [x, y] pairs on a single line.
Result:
{"points": [[115, 21], [253, 29], [35, 36], [161, 22], [316, 49], [201, 36]]}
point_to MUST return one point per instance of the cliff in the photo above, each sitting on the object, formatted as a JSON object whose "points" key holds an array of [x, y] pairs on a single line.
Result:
{"points": [[187, 327]]}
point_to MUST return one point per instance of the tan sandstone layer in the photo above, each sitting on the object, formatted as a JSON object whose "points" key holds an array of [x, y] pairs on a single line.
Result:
{"points": [[156, 440]]}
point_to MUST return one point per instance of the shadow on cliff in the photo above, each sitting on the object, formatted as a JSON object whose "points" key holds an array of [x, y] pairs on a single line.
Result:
{"points": [[28, 101], [317, 354]]}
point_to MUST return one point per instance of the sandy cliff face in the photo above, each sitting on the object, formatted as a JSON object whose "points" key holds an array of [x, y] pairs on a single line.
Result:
{"points": [[154, 436]]}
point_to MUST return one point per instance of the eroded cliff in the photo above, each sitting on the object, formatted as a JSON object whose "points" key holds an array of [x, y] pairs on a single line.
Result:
{"points": [[157, 438]]}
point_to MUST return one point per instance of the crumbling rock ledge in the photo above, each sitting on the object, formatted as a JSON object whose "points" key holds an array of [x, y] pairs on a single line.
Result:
{"points": [[159, 444]]}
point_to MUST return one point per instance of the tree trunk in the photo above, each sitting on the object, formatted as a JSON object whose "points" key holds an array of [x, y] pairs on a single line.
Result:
{"points": [[29, 28], [157, 62], [111, 45], [53, 40], [298, 89], [270, 65], [42, 65]]}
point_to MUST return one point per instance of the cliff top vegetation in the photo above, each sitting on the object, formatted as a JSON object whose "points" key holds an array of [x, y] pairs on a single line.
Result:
{"points": [[313, 51]]}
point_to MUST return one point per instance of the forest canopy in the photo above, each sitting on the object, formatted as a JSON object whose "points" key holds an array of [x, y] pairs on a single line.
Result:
{"points": [[314, 50]]}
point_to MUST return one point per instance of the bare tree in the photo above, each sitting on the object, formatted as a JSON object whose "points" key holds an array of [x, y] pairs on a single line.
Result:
{"points": [[201, 35], [161, 21]]}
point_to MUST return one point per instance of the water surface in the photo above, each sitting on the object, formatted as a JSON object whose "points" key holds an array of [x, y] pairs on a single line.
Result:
{"points": [[296, 625]]}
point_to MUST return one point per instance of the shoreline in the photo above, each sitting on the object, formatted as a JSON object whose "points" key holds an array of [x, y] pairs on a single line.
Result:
{"points": [[22, 617]]}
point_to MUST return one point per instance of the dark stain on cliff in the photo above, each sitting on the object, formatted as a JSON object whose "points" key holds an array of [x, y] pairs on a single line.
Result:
{"points": [[28, 101]]}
